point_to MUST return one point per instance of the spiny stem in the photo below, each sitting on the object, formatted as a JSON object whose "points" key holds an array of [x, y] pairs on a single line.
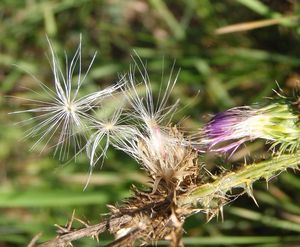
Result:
{"points": [[243, 178]]}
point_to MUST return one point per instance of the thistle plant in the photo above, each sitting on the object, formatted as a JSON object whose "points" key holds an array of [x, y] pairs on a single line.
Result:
{"points": [[180, 184]]}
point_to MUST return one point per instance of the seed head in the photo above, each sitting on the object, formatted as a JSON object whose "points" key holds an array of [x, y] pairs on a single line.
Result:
{"points": [[158, 147], [64, 113]]}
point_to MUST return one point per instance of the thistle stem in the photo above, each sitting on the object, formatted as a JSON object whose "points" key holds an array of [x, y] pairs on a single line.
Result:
{"points": [[243, 178]]}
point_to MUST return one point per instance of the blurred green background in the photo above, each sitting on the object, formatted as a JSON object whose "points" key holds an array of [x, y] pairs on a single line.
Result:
{"points": [[220, 68]]}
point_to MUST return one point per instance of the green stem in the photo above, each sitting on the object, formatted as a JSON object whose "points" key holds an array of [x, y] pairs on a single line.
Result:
{"points": [[243, 178]]}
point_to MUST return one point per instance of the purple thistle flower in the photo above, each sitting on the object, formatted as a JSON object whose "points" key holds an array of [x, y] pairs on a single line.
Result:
{"points": [[223, 134], [275, 123]]}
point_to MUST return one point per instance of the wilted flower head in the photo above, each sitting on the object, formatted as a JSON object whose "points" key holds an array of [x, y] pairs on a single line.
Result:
{"points": [[64, 113], [157, 146], [275, 123]]}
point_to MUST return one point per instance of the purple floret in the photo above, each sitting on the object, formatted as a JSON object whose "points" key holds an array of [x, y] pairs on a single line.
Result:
{"points": [[221, 129]]}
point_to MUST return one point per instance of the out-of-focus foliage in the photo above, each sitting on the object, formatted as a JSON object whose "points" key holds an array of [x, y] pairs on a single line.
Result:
{"points": [[218, 71]]}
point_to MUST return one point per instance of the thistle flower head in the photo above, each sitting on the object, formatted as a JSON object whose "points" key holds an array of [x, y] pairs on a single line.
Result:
{"points": [[276, 123], [64, 113], [158, 147]]}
